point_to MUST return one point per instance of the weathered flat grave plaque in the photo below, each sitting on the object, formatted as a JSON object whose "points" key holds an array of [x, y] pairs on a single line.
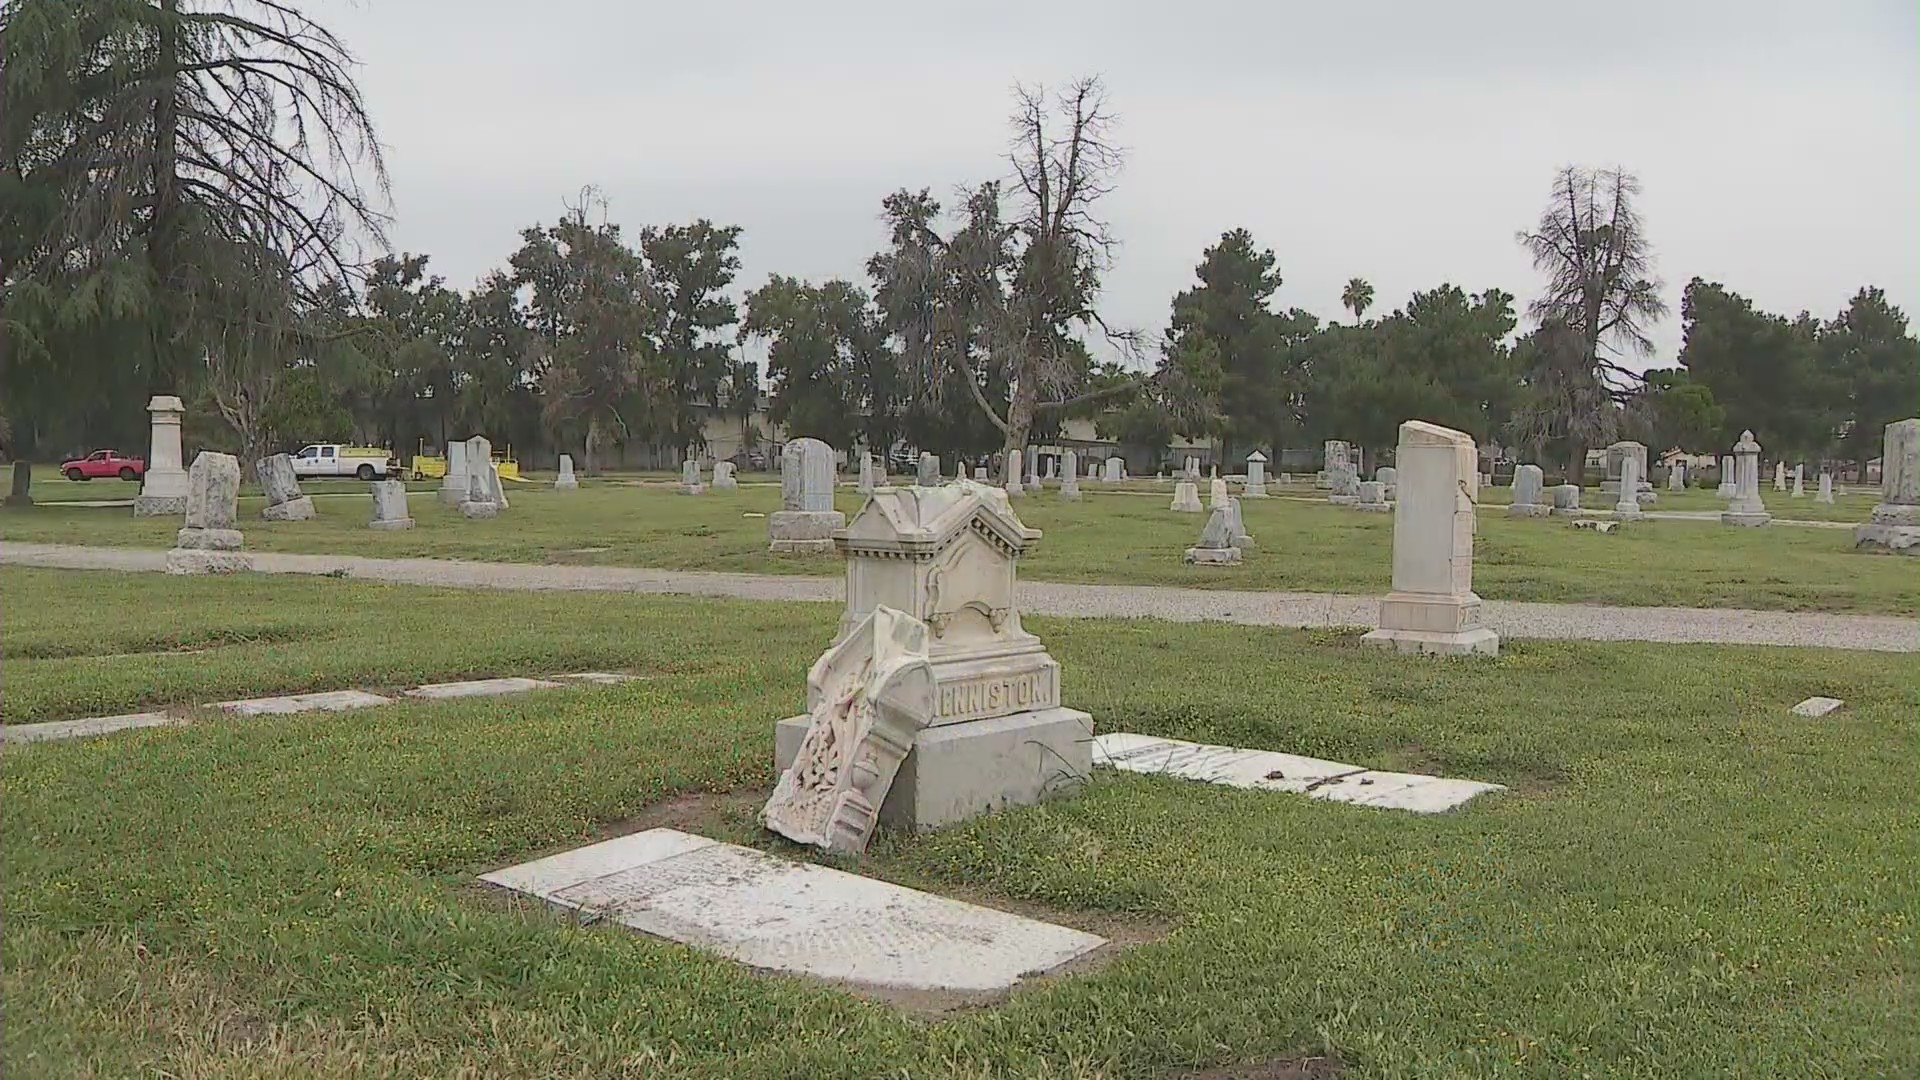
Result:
{"points": [[77, 729], [1268, 770], [796, 918], [329, 701], [480, 688]]}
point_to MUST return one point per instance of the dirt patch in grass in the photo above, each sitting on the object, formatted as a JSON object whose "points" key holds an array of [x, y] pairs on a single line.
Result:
{"points": [[1298, 1067]]}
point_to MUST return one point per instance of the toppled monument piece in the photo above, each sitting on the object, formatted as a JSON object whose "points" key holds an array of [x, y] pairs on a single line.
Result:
{"points": [[867, 698]]}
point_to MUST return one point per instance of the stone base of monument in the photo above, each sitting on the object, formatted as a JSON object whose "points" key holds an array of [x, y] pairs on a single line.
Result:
{"points": [[1529, 510], [806, 532], [1891, 528], [1344, 500], [566, 483], [207, 561], [1440, 625], [472, 510], [1226, 556], [209, 539], [392, 524], [1630, 512], [691, 489], [159, 505], [1373, 508], [453, 496], [299, 509], [1749, 519], [959, 771]]}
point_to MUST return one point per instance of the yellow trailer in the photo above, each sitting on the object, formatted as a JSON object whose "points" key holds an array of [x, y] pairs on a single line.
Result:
{"points": [[434, 466]]}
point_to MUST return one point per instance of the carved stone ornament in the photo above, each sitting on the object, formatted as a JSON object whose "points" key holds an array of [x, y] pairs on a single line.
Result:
{"points": [[867, 698]]}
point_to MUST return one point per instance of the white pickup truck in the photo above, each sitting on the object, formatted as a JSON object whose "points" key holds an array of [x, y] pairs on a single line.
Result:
{"points": [[333, 459]]}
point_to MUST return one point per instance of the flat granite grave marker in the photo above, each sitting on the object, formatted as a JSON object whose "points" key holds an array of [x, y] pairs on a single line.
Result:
{"points": [[1433, 608], [209, 544], [282, 487]]}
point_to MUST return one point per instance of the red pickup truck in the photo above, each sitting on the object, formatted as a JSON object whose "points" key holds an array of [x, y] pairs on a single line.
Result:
{"points": [[103, 463]]}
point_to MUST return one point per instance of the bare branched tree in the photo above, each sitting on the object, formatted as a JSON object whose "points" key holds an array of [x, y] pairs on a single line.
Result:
{"points": [[1601, 290], [996, 306]]}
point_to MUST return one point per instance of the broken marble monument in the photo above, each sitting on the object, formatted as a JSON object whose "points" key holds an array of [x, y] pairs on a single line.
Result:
{"points": [[1746, 508], [163, 490], [1529, 491], [1186, 498], [1237, 533], [1433, 608], [282, 487], [210, 544], [999, 735], [485, 497], [723, 478], [390, 506], [1627, 504], [1895, 524], [1216, 492], [868, 697], [805, 522], [1215, 546]]}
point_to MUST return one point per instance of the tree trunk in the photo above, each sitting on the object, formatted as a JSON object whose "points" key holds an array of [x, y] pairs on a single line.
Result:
{"points": [[164, 238], [22, 493], [1576, 464], [593, 446], [1020, 418]]}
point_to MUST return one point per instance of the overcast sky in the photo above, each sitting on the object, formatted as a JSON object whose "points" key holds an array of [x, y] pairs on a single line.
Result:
{"points": [[1778, 143]]}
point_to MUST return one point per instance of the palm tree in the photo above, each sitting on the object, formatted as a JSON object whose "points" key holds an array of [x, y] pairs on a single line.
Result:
{"points": [[1357, 297]]}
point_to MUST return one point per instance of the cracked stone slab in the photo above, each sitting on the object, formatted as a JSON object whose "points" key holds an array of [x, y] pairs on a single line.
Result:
{"points": [[480, 688], [79, 729], [1268, 770], [329, 701], [1817, 706], [796, 918], [603, 678]]}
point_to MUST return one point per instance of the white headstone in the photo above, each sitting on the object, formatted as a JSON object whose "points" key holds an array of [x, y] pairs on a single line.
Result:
{"points": [[1627, 504], [566, 481], [723, 478], [1256, 475], [927, 471], [1343, 483], [163, 490], [1727, 485], [1566, 500], [1015, 468], [1070, 475], [690, 483], [1432, 607], [1746, 507], [806, 519], [1373, 497], [1113, 470], [1800, 481], [390, 506], [1895, 524], [1779, 476], [1529, 493], [209, 543], [1215, 546], [1032, 461], [980, 474], [282, 488], [999, 735], [868, 475], [1389, 476], [1677, 476], [1216, 492], [1186, 498], [868, 698], [453, 483], [485, 497], [1826, 489]]}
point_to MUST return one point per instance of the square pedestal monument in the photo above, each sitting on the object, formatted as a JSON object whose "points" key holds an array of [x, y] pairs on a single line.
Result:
{"points": [[998, 735], [1433, 608]]}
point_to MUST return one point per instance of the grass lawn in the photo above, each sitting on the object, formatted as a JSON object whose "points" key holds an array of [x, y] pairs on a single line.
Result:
{"points": [[1108, 537], [1685, 881]]}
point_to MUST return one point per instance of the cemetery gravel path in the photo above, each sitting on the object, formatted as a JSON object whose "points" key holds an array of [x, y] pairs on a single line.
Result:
{"points": [[1511, 618]]}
